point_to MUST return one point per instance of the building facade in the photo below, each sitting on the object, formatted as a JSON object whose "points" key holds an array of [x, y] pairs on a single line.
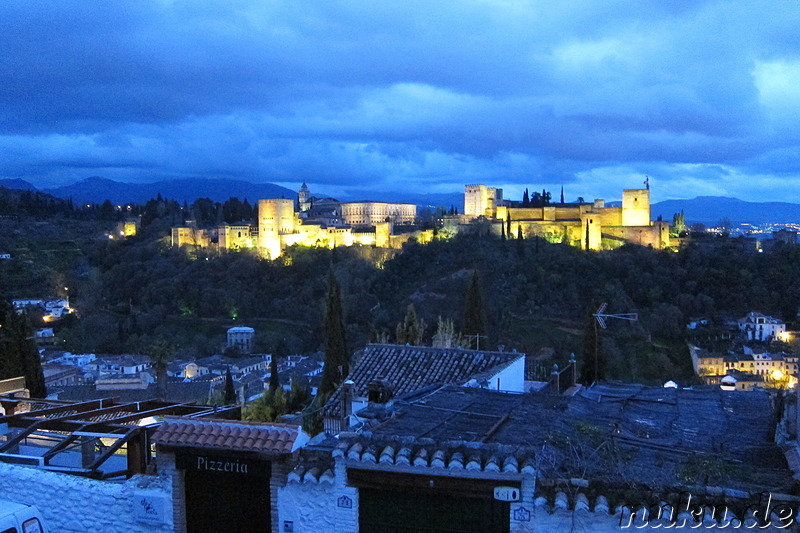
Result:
{"points": [[759, 327], [373, 213], [242, 338], [323, 222], [588, 225]]}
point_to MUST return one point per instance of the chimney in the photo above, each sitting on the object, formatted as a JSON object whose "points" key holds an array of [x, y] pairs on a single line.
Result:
{"points": [[378, 391], [347, 399]]}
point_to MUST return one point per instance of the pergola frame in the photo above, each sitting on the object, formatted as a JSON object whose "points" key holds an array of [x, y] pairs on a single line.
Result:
{"points": [[84, 423]]}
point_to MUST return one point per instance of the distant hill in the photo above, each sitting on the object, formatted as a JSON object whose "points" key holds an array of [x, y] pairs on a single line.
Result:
{"points": [[17, 184], [445, 200], [711, 209], [96, 190]]}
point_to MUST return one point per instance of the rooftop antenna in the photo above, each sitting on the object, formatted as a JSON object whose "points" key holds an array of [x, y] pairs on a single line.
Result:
{"points": [[477, 340], [600, 318]]}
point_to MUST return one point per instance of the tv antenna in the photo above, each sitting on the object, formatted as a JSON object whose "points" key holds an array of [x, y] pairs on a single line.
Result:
{"points": [[600, 318], [477, 340]]}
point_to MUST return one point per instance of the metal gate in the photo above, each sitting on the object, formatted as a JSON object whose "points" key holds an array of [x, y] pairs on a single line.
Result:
{"points": [[398, 511], [219, 502]]}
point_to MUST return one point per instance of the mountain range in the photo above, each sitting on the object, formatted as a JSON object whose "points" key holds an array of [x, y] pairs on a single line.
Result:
{"points": [[708, 210], [97, 190]]}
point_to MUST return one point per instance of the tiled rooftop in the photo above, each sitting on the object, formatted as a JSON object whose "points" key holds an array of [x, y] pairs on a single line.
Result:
{"points": [[660, 432], [409, 368], [229, 435], [454, 456]]}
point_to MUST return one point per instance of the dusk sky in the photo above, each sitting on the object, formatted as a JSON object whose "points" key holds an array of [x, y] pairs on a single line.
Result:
{"points": [[357, 96]]}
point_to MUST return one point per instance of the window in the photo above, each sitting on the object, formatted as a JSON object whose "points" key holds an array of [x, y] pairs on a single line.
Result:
{"points": [[10, 530], [32, 526]]}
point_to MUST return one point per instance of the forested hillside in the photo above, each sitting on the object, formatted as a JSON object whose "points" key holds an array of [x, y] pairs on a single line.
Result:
{"points": [[537, 295]]}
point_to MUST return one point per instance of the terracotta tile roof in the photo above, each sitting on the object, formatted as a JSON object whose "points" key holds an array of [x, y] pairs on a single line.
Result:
{"points": [[452, 456], [410, 368], [229, 435]]}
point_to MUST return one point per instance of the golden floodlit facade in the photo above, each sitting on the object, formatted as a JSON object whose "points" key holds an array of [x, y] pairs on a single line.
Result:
{"points": [[325, 222], [283, 222], [589, 225]]}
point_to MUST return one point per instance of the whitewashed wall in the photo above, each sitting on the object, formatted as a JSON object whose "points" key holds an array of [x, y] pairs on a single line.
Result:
{"points": [[512, 378], [319, 507], [72, 504], [310, 507]]}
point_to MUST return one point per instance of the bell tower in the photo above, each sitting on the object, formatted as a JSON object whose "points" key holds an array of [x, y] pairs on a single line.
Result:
{"points": [[303, 198]]}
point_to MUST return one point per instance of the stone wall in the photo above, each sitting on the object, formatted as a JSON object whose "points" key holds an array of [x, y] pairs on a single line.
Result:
{"points": [[72, 504]]}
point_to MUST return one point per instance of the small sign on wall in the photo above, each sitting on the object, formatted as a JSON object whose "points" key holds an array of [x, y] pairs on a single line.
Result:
{"points": [[150, 506], [506, 494], [345, 502]]}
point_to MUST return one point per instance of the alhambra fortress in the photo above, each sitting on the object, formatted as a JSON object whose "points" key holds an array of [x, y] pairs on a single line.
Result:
{"points": [[326, 222]]}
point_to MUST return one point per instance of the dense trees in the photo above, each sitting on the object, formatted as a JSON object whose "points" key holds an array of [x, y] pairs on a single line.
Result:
{"points": [[534, 294]]}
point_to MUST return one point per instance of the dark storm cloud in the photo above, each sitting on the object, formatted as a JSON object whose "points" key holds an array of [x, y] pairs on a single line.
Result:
{"points": [[413, 94]]}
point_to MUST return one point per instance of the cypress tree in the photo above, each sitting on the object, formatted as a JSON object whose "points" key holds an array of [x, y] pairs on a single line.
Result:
{"points": [[587, 236], [337, 361], [520, 245], [230, 392], [18, 353], [10, 364], [474, 312], [508, 226], [411, 329], [562, 194], [274, 378]]}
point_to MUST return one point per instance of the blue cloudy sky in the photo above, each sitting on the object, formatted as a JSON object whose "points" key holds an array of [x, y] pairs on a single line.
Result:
{"points": [[356, 96]]}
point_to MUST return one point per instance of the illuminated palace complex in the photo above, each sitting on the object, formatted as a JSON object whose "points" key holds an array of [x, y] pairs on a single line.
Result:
{"points": [[590, 225], [326, 222], [311, 222]]}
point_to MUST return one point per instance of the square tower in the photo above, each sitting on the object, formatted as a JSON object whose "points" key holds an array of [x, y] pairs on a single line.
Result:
{"points": [[480, 200], [636, 207]]}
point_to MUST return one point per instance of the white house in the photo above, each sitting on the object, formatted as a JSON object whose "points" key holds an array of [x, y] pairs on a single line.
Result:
{"points": [[759, 327]]}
